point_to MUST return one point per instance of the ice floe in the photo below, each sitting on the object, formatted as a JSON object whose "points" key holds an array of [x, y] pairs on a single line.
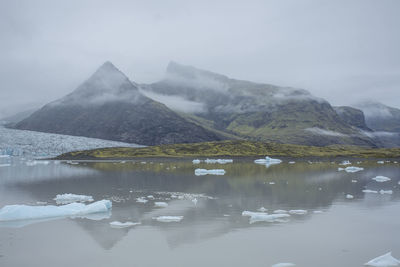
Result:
{"points": [[348, 196], [117, 224], [25, 212], [268, 161], [70, 198], [381, 179], [298, 212], [385, 260], [168, 218], [160, 204], [283, 264], [199, 172], [389, 192], [370, 191]]}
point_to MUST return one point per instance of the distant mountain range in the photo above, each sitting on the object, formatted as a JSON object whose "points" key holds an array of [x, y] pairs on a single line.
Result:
{"points": [[192, 105]]}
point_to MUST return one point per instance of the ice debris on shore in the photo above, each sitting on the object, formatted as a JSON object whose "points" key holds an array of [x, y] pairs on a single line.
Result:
{"points": [[168, 218], [70, 198], [26, 212], [117, 224], [381, 179], [385, 260], [199, 172]]}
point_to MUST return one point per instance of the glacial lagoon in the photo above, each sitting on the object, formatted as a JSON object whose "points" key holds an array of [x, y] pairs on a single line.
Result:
{"points": [[325, 227]]}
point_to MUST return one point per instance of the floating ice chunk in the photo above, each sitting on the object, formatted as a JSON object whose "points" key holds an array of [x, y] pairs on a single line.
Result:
{"points": [[354, 181], [150, 197], [70, 198], [353, 169], [340, 169], [381, 179], [348, 196], [168, 218], [389, 192], [271, 183], [283, 264], [292, 162], [5, 165], [280, 211], [219, 161], [268, 160], [252, 213], [141, 200], [380, 162], [117, 224], [298, 212], [345, 162], [160, 204], [370, 191], [267, 218], [318, 211], [199, 172], [385, 260], [196, 161], [262, 209], [25, 212]]}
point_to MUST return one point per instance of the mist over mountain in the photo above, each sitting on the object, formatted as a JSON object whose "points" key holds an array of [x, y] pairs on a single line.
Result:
{"points": [[109, 106]]}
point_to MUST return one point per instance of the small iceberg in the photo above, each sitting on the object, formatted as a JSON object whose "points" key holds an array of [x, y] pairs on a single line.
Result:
{"points": [[381, 179], [25, 212], [268, 218], [380, 162], [385, 260], [141, 200], [292, 162], [117, 224], [389, 192], [160, 204], [348, 196], [268, 161], [352, 169], [298, 212], [262, 209], [71, 198], [370, 191], [283, 264], [200, 172], [196, 161], [345, 162], [219, 161], [168, 218]]}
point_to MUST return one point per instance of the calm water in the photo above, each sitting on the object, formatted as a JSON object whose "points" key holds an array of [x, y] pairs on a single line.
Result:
{"points": [[348, 232]]}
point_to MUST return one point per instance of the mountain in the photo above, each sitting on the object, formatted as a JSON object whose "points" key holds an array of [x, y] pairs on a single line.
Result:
{"points": [[13, 119], [380, 117], [256, 111], [109, 106], [352, 116]]}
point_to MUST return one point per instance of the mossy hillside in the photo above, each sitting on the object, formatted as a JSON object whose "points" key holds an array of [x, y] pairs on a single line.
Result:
{"points": [[237, 148]]}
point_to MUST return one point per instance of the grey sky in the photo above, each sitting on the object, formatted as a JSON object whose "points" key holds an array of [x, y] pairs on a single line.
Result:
{"points": [[343, 51]]}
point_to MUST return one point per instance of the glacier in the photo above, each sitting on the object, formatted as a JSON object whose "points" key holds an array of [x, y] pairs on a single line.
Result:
{"points": [[26, 143]]}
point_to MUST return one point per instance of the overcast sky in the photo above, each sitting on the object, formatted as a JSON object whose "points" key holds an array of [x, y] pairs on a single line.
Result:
{"points": [[343, 51]]}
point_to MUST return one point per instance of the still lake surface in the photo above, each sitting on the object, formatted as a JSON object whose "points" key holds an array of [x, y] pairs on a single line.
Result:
{"points": [[336, 231]]}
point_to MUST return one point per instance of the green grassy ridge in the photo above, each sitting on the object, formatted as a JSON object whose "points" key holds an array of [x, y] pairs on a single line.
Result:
{"points": [[232, 148]]}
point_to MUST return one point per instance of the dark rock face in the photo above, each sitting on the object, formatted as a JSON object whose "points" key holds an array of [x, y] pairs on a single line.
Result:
{"points": [[352, 116], [109, 106]]}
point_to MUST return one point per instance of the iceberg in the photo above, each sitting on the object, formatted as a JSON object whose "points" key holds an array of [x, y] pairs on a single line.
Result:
{"points": [[348, 196], [268, 161], [385, 260], [298, 212], [381, 179], [283, 264], [141, 200], [370, 191], [219, 161], [25, 212], [196, 161], [199, 172], [160, 204], [168, 218], [70, 198], [389, 192], [268, 218], [117, 224]]}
